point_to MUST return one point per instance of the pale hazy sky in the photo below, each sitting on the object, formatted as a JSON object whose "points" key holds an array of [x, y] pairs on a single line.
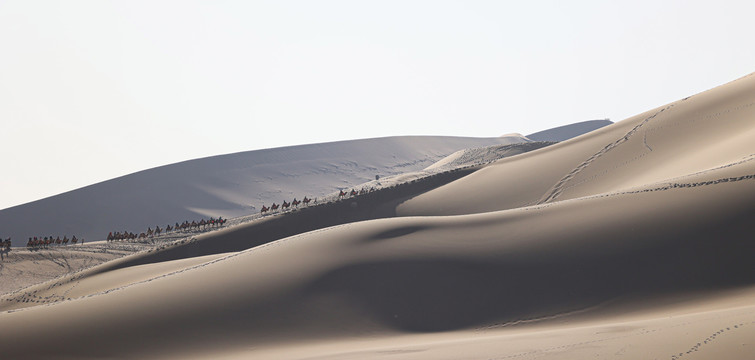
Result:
{"points": [[92, 90]]}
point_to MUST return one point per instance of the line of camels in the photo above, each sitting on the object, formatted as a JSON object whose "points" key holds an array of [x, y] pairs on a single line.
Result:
{"points": [[295, 203], [285, 205], [40, 242], [213, 222], [186, 225]]}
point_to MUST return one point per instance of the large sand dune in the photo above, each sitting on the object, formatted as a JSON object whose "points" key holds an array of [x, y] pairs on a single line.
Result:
{"points": [[227, 185], [632, 241], [690, 137]]}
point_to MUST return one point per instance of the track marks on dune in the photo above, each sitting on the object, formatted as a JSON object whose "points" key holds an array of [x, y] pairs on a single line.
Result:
{"points": [[33, 298], [538, 319], [82, 259], [710, 339], [625, 334], [605, 172], [675, 185], [61, 261], [566, 182], [645, 141], [566, 347], [745, 159], [662, 187], [558, 188]]}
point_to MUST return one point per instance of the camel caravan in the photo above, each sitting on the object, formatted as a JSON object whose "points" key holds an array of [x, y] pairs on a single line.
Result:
{"points": [[282, 207], [38, 242], [150, 233], [285, 205], [342, 194]]}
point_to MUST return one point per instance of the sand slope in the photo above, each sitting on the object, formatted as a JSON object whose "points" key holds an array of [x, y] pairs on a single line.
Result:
{"points": [[417, 275], [634, 240], [567, 132], [701, 133], [227, 185]]}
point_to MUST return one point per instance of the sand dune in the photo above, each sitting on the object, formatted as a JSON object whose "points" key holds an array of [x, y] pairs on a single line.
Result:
{"points": [[700, 133], [567, 132], [227, 185], [28, 268], [633, 240]]}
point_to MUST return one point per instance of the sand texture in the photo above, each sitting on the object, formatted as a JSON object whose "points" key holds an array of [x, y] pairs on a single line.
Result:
{"points": [[632, 241]]}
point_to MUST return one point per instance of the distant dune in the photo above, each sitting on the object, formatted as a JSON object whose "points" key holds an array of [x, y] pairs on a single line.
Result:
{"points": [[631, 241], [227, 185], [567, 132]]}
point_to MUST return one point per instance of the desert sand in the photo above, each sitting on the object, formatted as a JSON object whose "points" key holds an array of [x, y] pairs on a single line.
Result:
{"points": [[632, 241], [229, 185]]}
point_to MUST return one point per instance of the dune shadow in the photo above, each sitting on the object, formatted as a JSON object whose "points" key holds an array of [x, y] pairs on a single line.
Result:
{"points": [[427, 294], [398, 232]]}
